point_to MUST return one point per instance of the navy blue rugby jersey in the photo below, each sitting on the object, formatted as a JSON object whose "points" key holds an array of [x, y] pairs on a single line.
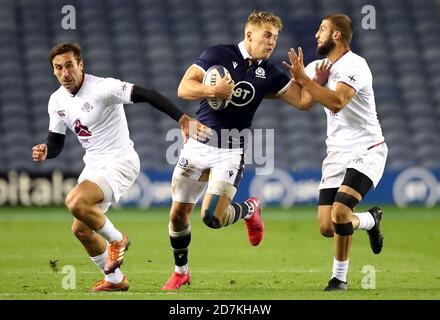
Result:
{"points": [[252, 84]]}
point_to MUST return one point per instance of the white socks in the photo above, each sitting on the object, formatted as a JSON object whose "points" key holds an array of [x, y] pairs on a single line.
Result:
{"points": [[366, 220], [181, 269], [115, 277], [340, 269], [109, 232]]}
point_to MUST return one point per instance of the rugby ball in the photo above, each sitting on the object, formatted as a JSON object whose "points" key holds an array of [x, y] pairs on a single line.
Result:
{"points": [[212, 76]]}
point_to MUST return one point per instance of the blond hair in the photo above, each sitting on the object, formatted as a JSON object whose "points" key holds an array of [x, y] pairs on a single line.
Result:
{"points": [[260, 17]]}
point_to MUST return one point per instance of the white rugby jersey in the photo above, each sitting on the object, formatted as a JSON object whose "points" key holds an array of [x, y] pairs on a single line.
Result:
{"points": [[95, 114], [356, 125]]}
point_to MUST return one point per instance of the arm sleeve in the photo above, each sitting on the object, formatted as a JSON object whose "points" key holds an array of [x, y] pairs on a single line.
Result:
{"points": [[56, 123], [55, 144], [114, 91], [157, 100], [209, 58]]}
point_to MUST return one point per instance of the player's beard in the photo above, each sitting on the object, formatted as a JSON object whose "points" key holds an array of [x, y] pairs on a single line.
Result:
{"points": [[325, 49]]}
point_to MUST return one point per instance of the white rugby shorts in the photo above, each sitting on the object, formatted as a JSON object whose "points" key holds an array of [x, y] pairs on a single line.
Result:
{"points": [[224, 164], [113, 175], [369, 161]]}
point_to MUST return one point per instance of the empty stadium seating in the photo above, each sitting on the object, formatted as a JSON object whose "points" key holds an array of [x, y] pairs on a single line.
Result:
{"points": [[152, 43]]}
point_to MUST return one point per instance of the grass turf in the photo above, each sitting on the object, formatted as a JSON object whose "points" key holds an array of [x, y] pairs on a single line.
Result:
{"points": [[293, 262]]}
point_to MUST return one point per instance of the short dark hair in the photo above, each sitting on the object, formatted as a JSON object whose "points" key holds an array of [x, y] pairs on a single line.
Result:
{"points": [[343, 24], [65, 47]]}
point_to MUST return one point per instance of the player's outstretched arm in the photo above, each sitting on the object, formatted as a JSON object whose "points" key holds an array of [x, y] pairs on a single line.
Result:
{"points": [[298, 97], [190, 127], [191, 86], [51, 149], [157, 100], [335, 101]]}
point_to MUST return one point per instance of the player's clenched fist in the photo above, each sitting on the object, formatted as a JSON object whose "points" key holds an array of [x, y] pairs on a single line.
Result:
{"points": [[39, 152]]}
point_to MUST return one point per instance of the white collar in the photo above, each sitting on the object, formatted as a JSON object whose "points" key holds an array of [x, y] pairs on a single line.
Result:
{"points": [[245, 53]]}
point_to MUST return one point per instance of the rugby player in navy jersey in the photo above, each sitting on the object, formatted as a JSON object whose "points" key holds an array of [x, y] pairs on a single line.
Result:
{"points": [[220, 165]]}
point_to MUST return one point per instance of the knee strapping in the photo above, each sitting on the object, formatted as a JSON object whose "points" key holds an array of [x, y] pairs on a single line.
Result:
{"points": [[179, 234], [210, 219], [346, 199], [222, 189], [343, 229]]}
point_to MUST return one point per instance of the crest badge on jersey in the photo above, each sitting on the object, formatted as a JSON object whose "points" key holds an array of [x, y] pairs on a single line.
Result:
{"points": [[183, 163], [260, 73], [87, 107], [335, 77]]}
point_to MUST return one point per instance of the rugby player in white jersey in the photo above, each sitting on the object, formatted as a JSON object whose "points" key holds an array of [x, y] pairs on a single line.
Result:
{"points": [[92, 108], [356, 151]]}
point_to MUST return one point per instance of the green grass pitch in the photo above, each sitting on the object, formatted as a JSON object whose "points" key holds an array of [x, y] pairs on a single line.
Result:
{"points": [[293, 262]]}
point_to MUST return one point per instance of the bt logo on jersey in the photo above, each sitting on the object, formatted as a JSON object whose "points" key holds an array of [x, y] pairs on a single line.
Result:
{"points": [[244, 92]]}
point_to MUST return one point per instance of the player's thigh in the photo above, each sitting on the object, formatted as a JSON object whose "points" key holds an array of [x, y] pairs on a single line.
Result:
{"points": [[325, 203], [185, 193], [86, 192], [370, 163], [325, 220], [190, 175], [333, 169], [223, 183], [113, 177]]}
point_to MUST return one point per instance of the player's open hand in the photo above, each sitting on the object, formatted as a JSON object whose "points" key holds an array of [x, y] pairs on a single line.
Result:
{"points": [[39, 152], [224, 89], [296, 66], [322, 72], [194, 129]]}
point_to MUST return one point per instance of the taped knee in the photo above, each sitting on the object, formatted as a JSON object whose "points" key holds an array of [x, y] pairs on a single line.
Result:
{"points": [[346, 199], [343, 229], [222, 189], [210, 220]]}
